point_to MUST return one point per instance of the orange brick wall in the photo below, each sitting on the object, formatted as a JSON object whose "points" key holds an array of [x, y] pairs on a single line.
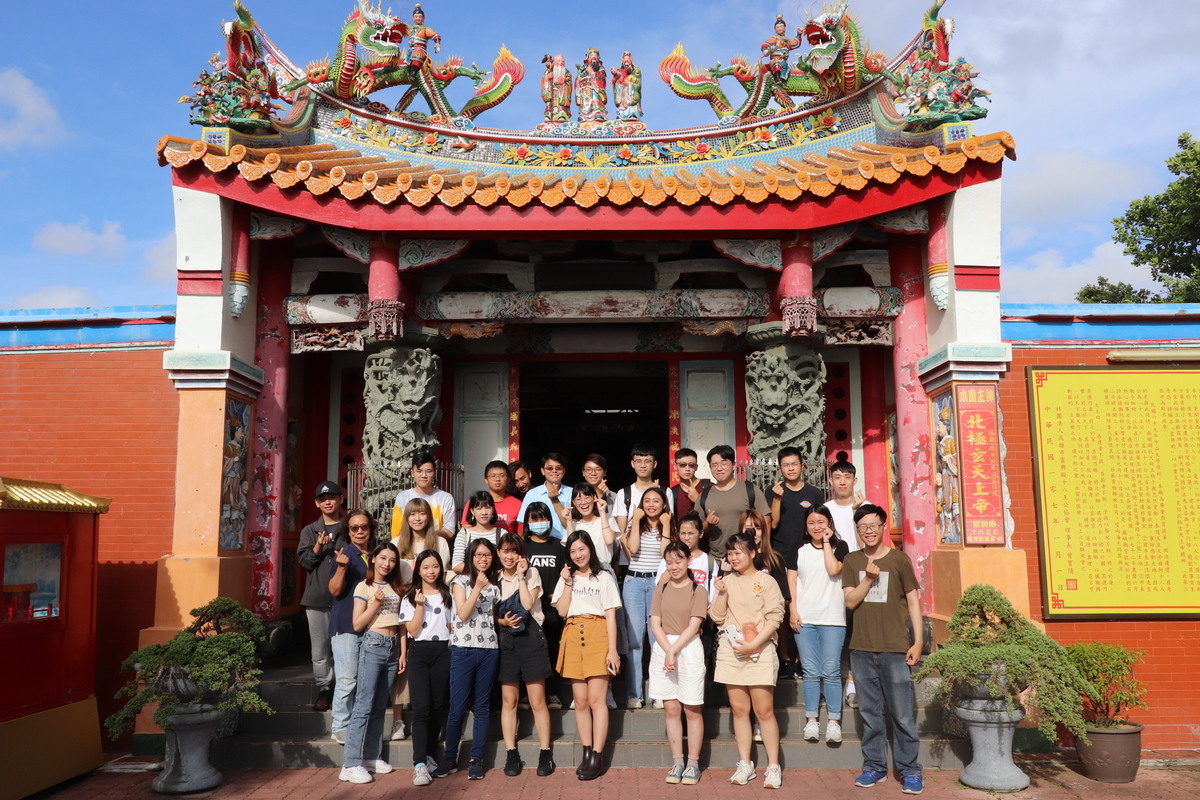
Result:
{"points": [[104, 423], [1171, 669]]}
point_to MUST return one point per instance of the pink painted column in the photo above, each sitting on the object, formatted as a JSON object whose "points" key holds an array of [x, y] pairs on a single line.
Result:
{"points": [[795, 293], [272, 353], [874, 482], [239, 262], [385, 320], [937, 255], [912, 414]]}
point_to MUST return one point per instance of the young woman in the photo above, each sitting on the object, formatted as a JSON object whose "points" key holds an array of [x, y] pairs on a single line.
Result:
{"points": [[474, 656], [677, 660], [771, 562], [648, 536], [524, 655], [481, 514], [425, 612], [547, 555], [702, 566], [587, 598], [589, 512], [818, 616], [748, 610], [380, 656], [416, 535]]}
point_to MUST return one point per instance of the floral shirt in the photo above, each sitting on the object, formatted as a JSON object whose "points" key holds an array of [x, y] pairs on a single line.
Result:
{"points": [[479, 630]]}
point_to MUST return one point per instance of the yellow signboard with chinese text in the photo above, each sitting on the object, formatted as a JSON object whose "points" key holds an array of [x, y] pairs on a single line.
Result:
{"points": [[1117, 475]]}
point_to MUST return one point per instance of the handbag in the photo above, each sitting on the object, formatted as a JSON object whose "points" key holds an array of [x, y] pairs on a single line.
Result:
{"points": [[512, 605]]}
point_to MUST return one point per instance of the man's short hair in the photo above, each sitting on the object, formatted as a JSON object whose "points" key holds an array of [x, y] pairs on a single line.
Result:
{"points": [[494, 465], [784, 452], [553, 457], [643, 450], [424, 457], [514, 466], [843, 466], [866, 510], [684, 452], [724, 451], [597, 459]]}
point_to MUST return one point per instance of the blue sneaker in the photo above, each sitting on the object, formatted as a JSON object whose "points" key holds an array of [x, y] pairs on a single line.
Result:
{"points": [[913, 784], [869, 778]]}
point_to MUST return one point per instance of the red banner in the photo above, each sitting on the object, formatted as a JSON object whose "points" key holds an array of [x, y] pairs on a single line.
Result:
{"points": [[983, 494]]}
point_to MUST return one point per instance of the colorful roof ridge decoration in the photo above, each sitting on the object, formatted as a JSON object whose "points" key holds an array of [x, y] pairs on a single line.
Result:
{"points": [[22, 495], [323, 169]]}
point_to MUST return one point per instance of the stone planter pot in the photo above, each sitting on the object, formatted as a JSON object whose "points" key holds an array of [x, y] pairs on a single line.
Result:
{"points": [[187, 767], [990, 725], [1114, 754]]}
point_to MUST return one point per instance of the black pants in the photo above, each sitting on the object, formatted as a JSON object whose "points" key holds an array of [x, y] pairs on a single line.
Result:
{"points": [[553, 628], [429, 689]]}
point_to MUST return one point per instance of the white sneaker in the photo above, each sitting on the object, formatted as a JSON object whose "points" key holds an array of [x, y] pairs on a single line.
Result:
{"points": [[339, 736], [421, 776], [757, 733], [743, 773], [812, 731], [774, 777], [833, 731], [355, 775], [659, 703], [398, 731], [379, 767], [633, 702]]}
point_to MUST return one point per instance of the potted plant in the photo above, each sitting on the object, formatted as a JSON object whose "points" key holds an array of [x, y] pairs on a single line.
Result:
{"points": [[207, 668], [1112, 749], [995, 667]]}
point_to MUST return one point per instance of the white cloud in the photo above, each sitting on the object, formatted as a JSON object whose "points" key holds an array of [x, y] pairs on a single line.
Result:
{"points": [[160, 260], [1046, 277], [78, 239], [57, 297], [1061, 185], [26, 116]]}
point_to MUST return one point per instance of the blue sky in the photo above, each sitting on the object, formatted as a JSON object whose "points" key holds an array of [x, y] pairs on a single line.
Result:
{"points": [[1095, 92]]}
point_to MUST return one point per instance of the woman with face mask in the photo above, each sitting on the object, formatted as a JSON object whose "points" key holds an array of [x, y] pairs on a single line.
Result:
{"points": [[547, 555]]}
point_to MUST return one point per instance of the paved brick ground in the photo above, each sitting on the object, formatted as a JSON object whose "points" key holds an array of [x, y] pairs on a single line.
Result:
{"points": [[1050, 782]]}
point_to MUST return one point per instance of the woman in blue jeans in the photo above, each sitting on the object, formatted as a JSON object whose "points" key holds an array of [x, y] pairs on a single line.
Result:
{"points": [[474, 655], [380, 656], [648, 536], [818, 616]]}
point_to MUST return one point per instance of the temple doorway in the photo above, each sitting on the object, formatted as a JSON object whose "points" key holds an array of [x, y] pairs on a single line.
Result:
{"points": [[605, 407]]}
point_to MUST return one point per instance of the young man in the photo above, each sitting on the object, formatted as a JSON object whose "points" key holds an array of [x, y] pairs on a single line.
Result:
{"points": [[881, 587], [644, 460], [520, 479], [721, 505], [595, 473], [686, 493], [845, 501], [791, 500], [441, 503], [319, 543], [508, 508], [552, 493]]}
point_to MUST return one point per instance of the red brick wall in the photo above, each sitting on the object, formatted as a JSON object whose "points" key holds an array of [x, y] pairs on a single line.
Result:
{"points": [[104, 423], [1171, 669]]}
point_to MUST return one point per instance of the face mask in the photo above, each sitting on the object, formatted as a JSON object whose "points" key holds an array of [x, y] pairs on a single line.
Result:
{"points": [[539, 528]]}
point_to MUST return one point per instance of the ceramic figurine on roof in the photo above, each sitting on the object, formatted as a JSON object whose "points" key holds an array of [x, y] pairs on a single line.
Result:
{"points": [[778, 50], [351, 78], [239, 90], [591, 88], [627, 88], [556, 89], [935, 89]]}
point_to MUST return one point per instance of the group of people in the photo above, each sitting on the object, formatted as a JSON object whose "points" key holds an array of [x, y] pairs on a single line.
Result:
{"points": [[554, 589]]}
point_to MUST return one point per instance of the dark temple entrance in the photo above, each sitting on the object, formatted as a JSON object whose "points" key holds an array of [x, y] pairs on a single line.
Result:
{"points": [[606, 407]]}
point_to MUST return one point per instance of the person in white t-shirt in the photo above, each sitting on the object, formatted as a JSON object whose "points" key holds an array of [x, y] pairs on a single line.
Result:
{"points": [[590, 513], [702, 566], [440, 503], [818, 616], [846, 499]]}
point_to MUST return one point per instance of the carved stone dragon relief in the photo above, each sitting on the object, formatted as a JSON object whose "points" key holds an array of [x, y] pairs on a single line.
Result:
{"points": [[785, 405]]}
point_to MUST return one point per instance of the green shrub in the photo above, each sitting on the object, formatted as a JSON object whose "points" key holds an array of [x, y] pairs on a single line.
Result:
{"points": [[1109, 669]]}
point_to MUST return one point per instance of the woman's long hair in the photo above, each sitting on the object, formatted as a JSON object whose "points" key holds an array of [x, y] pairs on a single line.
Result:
{"points": [[393, 578], [593, 560], [767, 558], [644, 522], [405, 542], [418, 584]]}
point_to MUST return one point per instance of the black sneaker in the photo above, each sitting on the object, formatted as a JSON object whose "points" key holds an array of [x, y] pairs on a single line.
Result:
{"points": [[447, 766], [512, 765], [545, 764], [324, 700], [475, 770]]}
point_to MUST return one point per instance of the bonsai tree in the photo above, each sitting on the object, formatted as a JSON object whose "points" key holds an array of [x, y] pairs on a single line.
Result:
{"points": [[213, 661], [992, 645], [1109, 670]]}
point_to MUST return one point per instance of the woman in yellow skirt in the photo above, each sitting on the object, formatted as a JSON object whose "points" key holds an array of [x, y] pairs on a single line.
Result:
{"points": [[587, 598]]}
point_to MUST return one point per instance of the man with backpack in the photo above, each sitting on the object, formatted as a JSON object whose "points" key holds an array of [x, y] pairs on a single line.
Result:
{"points": [[723, 503]]}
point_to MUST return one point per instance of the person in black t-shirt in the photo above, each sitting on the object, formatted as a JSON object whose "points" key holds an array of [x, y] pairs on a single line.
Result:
{"points": [[319, 544], [791, 500], [547, 555]]}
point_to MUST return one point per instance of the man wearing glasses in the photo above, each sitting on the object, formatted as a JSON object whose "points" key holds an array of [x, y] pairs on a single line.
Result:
{"points": [[881, 587], [644, 460], [552, 493]]}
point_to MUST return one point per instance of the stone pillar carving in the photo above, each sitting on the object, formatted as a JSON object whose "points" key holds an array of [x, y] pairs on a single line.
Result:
{"points": [[402, 393], [385, 314], [797, 306], [785, 400]]}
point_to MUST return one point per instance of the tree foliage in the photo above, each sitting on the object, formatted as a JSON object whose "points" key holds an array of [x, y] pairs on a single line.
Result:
{"points": [[1102, 291], [1108, 668]]}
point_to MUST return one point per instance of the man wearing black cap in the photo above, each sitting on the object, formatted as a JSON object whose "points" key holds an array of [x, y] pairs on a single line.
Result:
{"points": [[319, 543]]}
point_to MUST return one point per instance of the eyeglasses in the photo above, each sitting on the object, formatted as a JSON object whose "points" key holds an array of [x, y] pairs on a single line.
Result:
{"points": [[358, 528], [643, 461], [869, 528]]}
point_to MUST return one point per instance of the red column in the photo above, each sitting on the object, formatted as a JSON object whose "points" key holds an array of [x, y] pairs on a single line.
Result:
{"points": [[912, 414], [386, 311], [874, 422], [272, 353], [795, 292]]}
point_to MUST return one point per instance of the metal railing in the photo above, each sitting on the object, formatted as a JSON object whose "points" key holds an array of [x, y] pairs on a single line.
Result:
{"points": [[374, 487]]}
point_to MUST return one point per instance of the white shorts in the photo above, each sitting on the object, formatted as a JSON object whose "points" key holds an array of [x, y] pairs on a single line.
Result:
{"points": [[686, 682]]}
